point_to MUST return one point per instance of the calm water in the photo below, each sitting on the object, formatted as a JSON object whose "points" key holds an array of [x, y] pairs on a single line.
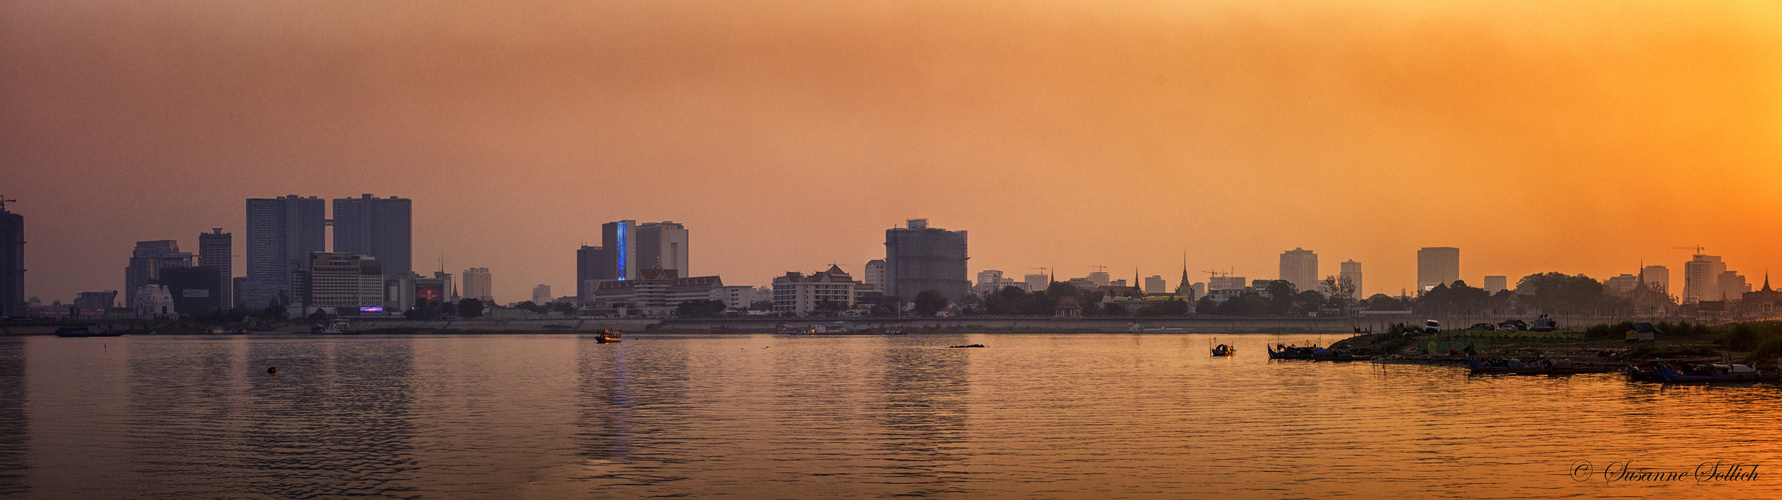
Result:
{"points": [[772, 416]]}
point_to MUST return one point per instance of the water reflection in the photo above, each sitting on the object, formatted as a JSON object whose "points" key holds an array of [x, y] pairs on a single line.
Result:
{"points": [[334, 421], [922, 413], [15, 427]]}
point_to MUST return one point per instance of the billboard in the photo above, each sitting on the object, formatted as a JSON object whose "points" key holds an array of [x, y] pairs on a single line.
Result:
{"points": [[371, 310], [429, 293]]}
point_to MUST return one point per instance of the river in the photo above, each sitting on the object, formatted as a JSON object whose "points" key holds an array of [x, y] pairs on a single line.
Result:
{"points": [[752, 416]]}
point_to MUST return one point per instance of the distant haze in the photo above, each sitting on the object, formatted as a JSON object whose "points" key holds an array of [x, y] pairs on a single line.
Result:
{"points": [[1541, 136]]}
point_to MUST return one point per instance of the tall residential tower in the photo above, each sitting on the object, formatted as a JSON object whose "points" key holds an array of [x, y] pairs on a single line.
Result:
{"points": [[920, 258], [377, 227]]}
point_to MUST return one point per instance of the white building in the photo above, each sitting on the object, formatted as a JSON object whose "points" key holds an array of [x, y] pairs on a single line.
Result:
{"points": [[1038, 282], [735, 297], [541, 294], [795, 292], [1494, 284], [991, 281], [1300, 267], [657, 295], [153, 301], [875, 273], [1154, 284], [479, 284], [1701, 278], [1351, 271], [342, 281]]}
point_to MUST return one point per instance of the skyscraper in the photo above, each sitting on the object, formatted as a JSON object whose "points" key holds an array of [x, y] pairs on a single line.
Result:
{"points": [[1300, 267], [1437, 266], [627, 247], [618, 256], [589, 265], [662, 245], [920, 258], [1701, 278], [214, 249], [281, 233], [1154, 284], [478, 284], [1351, 272], [146, 263], [377, 227], [12, 262]]}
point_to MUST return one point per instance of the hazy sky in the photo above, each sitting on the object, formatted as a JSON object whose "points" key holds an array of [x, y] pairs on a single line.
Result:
{"points": [[1543, 136]]}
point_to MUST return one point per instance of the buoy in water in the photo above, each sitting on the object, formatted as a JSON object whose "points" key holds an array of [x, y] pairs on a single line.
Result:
{"points": [[272, 370]]}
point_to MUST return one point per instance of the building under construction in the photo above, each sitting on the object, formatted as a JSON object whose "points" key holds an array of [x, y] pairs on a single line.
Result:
{"points": [[919, 258]]}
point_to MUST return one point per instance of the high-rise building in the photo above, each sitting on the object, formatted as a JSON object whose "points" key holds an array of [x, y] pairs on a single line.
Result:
{"points": [[1732, 286], [1351, 272], [874, 274], [662, 245], [1494, 284], [591, 266], [281, 233], [1100, 278], [1038, 282], [618, 257], [920, 258], [380, 228], [627, 247], [478, 284], [1619, 286], [990, 281], [1701, 278], [1657, 277], [340, 283], [147, 261], [215, 251], [12, 262], [1300, 267], [1437, 266], [1154, 284], [541, 294]]}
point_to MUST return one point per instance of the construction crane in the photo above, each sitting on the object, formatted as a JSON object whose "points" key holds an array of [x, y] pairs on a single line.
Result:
{"points": [[1099, 269], [1216, 274], [1698, 249]]}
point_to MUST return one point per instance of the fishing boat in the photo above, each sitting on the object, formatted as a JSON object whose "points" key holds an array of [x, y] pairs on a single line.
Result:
{"points": [[1715, 373], [1512, 366], [1281, 351], [1224, 350], [607, 337]]}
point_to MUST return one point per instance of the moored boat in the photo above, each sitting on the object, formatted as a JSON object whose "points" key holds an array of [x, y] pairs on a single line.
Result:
{"points": [[1714, 373], [1281, 351], [1224, 350]]}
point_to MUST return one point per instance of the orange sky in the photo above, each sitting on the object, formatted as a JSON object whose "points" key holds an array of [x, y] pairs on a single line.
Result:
{"points": [[1543, 136]]}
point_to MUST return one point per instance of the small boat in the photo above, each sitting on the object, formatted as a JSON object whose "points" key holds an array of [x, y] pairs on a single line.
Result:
{"points": [[607, 337], [82, 331], [1512, 366], [1222, 350], [1280, 351], [1715, 373], [965, 346]]}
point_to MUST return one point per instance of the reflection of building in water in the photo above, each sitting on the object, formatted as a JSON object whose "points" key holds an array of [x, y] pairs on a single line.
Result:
{"points": [[924, 411], [14, 424], [343, 422], [605, 401]]}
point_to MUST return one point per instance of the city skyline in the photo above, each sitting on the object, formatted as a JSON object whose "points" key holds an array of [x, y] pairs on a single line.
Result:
{"points": [[1214, 129]]}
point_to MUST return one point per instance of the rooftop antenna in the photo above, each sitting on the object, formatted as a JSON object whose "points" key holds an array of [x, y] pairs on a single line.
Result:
{"points": [[4, 201]]}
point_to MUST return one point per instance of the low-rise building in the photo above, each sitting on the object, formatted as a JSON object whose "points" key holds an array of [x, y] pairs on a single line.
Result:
{"points": [[153, 302], [832, 290], [341, 282]]}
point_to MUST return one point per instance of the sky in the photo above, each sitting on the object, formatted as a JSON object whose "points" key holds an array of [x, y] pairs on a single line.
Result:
{"points": [[1578, 137]]}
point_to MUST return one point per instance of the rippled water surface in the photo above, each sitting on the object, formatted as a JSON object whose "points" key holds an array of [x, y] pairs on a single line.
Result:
{"points": [[549, 416]]}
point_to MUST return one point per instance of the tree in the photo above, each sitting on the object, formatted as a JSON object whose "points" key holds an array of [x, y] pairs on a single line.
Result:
{"points": [[562, 307], [1308, 301], [1280, 296], [1171, 307], [929, 302], [1383, 302], [529, 306], [274, 311], [1247, 304], [470, 308], [700, 309]]}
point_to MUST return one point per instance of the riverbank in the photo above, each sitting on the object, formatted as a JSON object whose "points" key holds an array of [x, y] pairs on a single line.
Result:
{"points": [[1598, 348]]}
